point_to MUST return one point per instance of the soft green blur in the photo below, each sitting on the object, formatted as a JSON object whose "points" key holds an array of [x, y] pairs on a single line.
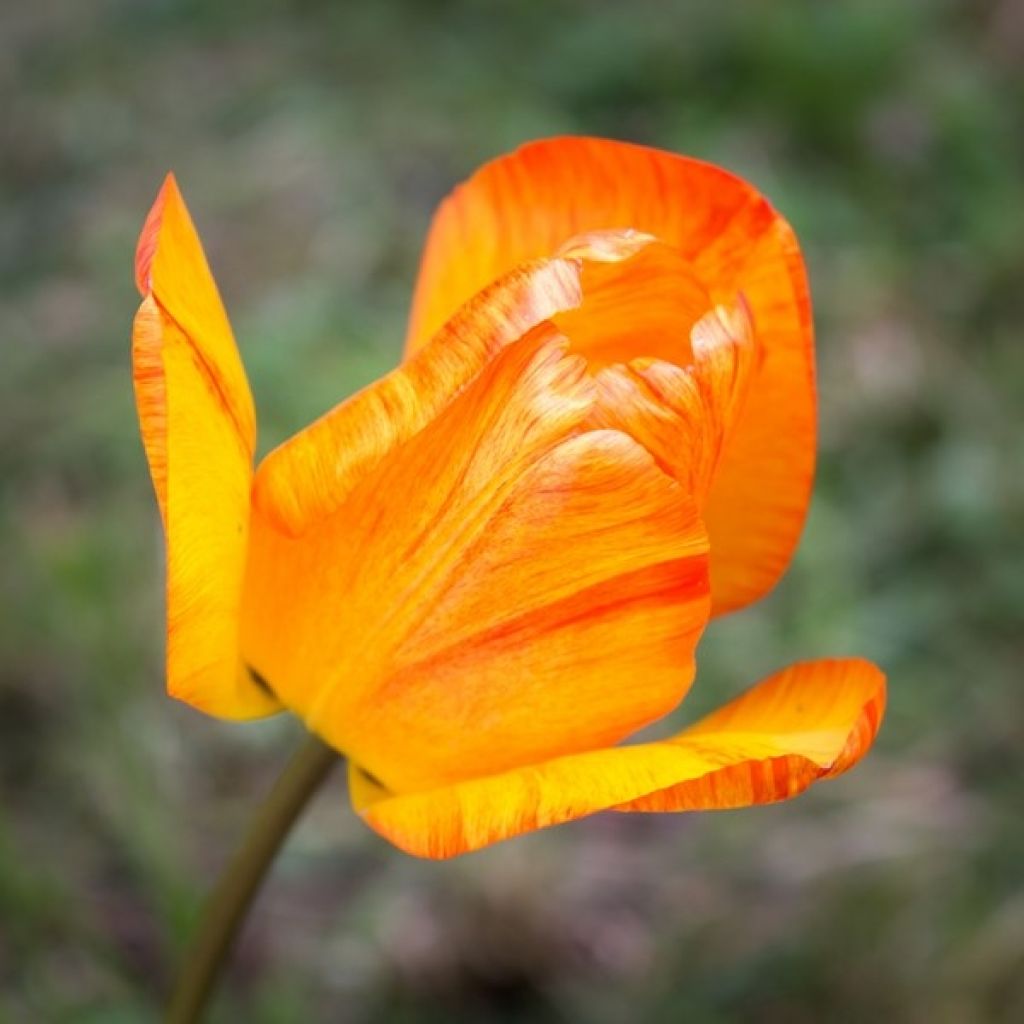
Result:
{"points": [[312, 141]]}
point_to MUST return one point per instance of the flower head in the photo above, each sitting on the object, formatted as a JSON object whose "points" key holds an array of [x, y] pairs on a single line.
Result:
{"points": [[482, 572]]}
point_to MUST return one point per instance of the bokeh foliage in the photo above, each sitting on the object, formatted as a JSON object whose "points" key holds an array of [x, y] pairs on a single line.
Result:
{"points": [[312, 140]]}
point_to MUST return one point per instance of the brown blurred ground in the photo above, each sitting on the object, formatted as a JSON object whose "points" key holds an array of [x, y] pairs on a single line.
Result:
{"points": [[312, 141]]}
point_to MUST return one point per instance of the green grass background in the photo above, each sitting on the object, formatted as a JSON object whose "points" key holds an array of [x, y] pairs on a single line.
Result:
{"points": [[312, 141]]}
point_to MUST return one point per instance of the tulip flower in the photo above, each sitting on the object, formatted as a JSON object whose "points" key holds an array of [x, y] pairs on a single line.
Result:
{"points": [[478, 576]]}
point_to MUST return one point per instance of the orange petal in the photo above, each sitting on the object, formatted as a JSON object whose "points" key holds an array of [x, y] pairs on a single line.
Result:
{"points": [[684, 415], [499, 588], [310, 475], [640, 298], [808, 722], [529, 204], [759, 496], [198, 429]]}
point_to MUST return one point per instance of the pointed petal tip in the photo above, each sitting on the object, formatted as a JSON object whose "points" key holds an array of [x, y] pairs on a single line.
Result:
{"points": [[198, 430], [169, 195]]}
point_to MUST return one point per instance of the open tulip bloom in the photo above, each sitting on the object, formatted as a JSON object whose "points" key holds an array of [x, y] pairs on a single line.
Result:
{"points": [[480, 574]]}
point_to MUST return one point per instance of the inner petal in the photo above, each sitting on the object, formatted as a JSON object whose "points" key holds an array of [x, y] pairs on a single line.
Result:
{"points": [[641, 300], [684, 416]]}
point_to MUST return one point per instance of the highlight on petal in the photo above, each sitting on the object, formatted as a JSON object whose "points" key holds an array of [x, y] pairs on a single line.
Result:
{"points": [[533, 202], [810, 721], [198, 429], [501, 587]]}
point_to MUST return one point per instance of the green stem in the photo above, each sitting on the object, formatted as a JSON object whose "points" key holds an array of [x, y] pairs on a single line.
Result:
{"points": [[234, 892]]}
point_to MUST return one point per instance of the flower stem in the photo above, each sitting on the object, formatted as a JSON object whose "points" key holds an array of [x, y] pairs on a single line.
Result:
{"points": [[234, 892]]}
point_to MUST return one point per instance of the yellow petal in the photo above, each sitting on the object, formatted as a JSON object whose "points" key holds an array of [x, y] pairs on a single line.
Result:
{"points": [[495, 577], [808, 722], [198, 429], [170, 265]]}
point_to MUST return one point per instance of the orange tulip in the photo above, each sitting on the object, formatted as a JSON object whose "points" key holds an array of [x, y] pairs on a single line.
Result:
{"points": [[482, 572]]}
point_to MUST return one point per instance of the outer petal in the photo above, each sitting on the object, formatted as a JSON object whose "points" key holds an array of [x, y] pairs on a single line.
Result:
{"points": [[198, 429], [495, 584], [526, 205], [310, 475], [808, 722]]}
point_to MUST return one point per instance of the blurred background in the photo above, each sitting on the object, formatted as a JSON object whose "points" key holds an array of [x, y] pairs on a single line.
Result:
{"points": [[312, 141]]}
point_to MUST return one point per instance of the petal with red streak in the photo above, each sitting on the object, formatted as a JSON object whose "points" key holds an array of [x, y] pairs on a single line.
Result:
{"points": [[808, 722], [198, 429], [502, 585], [531, 203]]}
